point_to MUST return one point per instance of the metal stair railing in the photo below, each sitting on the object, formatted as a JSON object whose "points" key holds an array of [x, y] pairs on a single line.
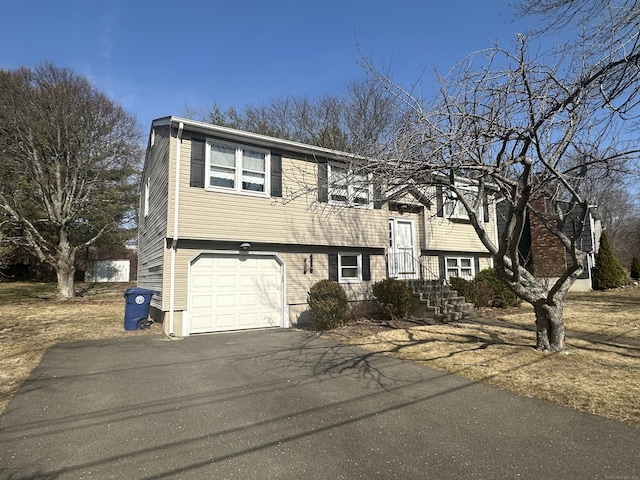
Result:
{"points": [[404, 265]]}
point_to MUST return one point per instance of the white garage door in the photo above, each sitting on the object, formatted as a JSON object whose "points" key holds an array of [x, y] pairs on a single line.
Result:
{"points": [[234, 292]]}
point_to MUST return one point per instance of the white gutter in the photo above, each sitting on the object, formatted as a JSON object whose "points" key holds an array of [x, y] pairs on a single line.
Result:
{"points": [[174, 241]]}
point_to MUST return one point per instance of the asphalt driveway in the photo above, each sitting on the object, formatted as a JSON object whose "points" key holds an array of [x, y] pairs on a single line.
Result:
{"points": [[286, 404]]}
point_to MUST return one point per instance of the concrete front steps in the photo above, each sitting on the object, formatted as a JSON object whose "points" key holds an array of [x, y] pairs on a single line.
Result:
{"points": [[436, 299]]}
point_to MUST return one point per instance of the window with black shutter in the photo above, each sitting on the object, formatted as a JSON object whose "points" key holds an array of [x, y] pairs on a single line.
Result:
{"points": [[349, 267]]}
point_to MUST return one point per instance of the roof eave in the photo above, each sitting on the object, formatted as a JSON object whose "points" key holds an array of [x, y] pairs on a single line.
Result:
{"points": [[254, 138]]}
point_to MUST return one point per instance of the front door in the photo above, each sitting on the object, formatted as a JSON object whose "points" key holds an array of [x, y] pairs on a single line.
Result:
{"points": [[402, 259]]}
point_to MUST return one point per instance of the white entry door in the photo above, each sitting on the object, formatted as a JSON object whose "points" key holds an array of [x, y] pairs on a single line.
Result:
{"points": [[402, 260], [235, 292]]}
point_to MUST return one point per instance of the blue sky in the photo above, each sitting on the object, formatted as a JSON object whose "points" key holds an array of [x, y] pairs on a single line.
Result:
{"points": [[155, 58]]}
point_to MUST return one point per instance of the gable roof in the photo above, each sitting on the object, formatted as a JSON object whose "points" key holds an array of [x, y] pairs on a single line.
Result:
{"points": [[257, 139]]}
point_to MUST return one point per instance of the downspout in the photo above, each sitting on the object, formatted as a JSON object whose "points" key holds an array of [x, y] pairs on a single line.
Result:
{"points": [[496, 235], [591, 254], [174, 240]]}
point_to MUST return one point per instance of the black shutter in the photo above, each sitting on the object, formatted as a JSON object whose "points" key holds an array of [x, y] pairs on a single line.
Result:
{"points": [[197, 163], [439, 202], [485, 208], [476, 261], [276, 175], [366, 267], [377, 195], [333, 267], [443, 267], [323, 181]]}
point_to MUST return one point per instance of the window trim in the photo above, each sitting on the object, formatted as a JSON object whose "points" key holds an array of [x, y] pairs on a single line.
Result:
{"points": [[350, 188], [238, 169], [343, 279], [459, 267]]}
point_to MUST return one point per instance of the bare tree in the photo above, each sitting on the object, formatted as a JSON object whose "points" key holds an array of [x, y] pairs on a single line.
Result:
{"points": [[360, 121], [607, 40], [522, 132], [371, 116], [69, 156]]}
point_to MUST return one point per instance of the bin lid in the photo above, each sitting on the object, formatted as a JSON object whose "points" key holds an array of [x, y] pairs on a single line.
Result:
{"points": [[138, 291]]}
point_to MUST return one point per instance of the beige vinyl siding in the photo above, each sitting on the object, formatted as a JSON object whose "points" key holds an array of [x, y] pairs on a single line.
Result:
{"points": [[485, 262], [455, 235], [295, 219], [442, 234], [152, 228], [299, 283]]}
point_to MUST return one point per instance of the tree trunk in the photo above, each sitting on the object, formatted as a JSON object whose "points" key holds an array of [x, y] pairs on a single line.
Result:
{"points": [[65, 269], [549, 327]]}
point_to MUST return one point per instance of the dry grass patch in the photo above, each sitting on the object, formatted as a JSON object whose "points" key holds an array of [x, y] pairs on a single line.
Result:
{"points": [[600, 374], [32, 321]]}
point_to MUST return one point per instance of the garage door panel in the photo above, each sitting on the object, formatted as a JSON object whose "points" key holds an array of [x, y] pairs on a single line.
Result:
{"points": [[269, 321], [202, 301], [248, 319], [204, 281], [249, 300], [249, 280], [228, 300], [200, 323], [270, 281], [227, 261], [225, 281], [223, 321], [229, 292], [270, 300]]}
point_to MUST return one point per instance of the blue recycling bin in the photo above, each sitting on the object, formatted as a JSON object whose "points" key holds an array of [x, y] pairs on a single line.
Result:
{"points": [[136, 311]]}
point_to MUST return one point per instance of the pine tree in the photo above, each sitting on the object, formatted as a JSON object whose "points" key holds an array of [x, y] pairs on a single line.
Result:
{"points": [[608, 272], [635, 268]]}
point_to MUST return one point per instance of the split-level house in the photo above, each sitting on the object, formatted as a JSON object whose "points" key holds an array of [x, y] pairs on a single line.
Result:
{"points": [[235, 228]]}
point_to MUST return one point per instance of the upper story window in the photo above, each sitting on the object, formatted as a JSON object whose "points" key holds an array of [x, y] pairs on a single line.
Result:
{"points": [[236, 168], [453, 208], [347, 187]]}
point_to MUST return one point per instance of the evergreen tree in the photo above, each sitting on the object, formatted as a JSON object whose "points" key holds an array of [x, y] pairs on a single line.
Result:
{"points": [[608, 272], [635, 268]]}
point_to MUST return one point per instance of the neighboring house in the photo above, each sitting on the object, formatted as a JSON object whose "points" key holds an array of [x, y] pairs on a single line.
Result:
{"points": [[107, 271], [543, 254], [235, 228]]}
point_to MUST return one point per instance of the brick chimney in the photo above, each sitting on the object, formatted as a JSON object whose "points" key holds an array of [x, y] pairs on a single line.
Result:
{"points": [[548, 254]]}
